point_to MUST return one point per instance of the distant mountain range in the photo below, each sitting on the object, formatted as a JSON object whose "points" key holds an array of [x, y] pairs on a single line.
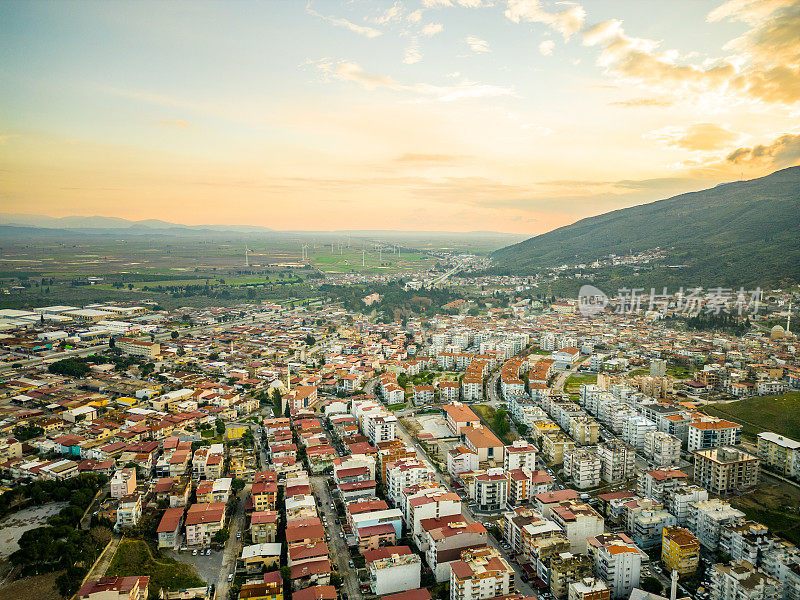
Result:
{"points": [[742, 233], [42, 221]]}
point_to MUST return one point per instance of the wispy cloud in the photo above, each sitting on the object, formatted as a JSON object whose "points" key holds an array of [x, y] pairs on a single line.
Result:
{"points": [[567, 22], [546, 47], [393, 13], [703, 137], [432, 29], [465, 89], [412, 53], [359, 29], [477, 45]]}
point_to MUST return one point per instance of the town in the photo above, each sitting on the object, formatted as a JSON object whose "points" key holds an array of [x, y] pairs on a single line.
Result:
{"points": [[271, 451]]}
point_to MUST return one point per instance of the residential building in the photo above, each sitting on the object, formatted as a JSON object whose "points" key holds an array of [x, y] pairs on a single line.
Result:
{"points": [[680, 550], [481, 574], [566, 568], [617, 461], [779, 453], [489, 490], [711, 432], [578, 521], [115, 588], [725, 470], [663, 449], [707, 518], [583, 466], [123, 483], [617, 561], [588, 588], [742, 581], [392, 569]]}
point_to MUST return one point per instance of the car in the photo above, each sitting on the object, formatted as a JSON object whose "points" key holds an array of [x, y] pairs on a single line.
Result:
{"points": [[341, 535], [230, 577], [333, 506], [352, 564], [194, 552], [208, 552], [239, 535]]}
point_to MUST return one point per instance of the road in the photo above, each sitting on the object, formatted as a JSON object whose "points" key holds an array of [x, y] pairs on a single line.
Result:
{"points": [[233, 546], [337, 546]]}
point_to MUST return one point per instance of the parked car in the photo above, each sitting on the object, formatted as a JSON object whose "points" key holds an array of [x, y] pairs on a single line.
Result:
{"points": [[352, 564], [194, 552], [208, 551]]}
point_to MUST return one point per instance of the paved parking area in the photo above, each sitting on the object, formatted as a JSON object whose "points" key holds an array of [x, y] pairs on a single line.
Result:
{"points": [[207, 566]]}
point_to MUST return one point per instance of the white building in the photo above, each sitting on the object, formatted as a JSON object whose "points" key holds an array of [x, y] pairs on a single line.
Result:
{"points": [[392, 569]]}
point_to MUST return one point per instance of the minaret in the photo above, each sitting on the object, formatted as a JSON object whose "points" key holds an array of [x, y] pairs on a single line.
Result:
{"points": [[246, 256], [789, 319], [673, 590]]}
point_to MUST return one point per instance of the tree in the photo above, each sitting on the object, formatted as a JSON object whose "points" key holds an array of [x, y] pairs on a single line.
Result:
{"points": [[220, 424], [174, 335], [652, 585], [23, 433], [237, 485], [70, 367], [221, 536]]}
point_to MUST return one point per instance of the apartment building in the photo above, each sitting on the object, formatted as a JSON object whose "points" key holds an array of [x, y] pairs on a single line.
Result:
{"points": [[588, 588], [617, 461], [481, 574], [663, 449], [779, 453], [617, 561], [566, 568], [680, 550], [115, 588], [392, 569], [129, 511], [711, 433], [123, 483], [484, 443], [445, 538], [725, 470], [202, 522], [707, 518], [742, 581], [489, 490], [578, 521], [635, 429], [520, 455], [583, 466]]}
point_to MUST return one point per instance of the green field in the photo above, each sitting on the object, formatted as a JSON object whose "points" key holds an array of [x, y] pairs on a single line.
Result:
{"points": [[496, 422], [780, 414], [775, 505], [574, 382], [134, 557]]}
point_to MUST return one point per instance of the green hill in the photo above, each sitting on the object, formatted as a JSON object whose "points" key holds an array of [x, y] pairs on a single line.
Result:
{"points": [[745, 233]]}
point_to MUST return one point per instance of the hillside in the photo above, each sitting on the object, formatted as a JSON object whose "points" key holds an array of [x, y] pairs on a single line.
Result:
{"points": [[743, 233]]}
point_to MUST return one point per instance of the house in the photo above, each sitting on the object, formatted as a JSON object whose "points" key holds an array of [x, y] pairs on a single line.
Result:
{"points": [[203, 520], [169, 528], [123, 483], [256, 558], [129, 511], [270, 587], [115, 588], [263, 526]]}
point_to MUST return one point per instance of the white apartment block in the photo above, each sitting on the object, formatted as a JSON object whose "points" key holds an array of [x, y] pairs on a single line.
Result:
{"points": [[635, 429], [583, 466], [742, 581], [481, 574], [661, 448], [520, 455], [617, 461], [617, 561], [706, 519]]}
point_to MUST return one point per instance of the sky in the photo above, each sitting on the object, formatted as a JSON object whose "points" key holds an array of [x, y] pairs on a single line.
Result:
{"points": [[457, 115]]}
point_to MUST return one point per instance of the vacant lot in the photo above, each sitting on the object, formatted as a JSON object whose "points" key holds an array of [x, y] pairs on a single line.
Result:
{"points": [[134, 557], [780, 414], [38, 587], [16, 524], [574, 382], [775, 504]]}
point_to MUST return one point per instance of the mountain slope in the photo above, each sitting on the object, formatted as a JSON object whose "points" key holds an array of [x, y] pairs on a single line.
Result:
{"points": [[742, 233]]}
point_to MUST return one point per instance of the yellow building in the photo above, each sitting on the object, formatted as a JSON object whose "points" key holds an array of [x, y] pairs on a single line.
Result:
{"points": [[680, 550], [779, 453]]}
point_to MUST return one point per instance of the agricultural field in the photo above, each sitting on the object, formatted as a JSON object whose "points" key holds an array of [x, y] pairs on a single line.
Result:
{"points": [[780, 413]]}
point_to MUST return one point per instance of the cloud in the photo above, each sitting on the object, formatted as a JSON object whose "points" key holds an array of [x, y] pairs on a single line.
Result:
{"points": [[462, 3], [764, 69], [546, 47], [415, 17], [567, 22], [477, 45], [359, 29], [393, 13], [704, 137], [412, 54], [782, 152], [465, 89], [643, 102], [432, 29]]}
